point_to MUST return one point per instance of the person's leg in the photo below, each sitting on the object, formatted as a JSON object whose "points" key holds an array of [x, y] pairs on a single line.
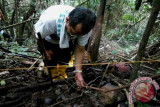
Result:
{"points": [[64, 56], [53, 61], [60, 59]]}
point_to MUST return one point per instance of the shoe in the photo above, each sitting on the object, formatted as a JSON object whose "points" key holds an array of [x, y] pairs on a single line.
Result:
{"points": [[62, 71], [54, 73], [71, 61]]}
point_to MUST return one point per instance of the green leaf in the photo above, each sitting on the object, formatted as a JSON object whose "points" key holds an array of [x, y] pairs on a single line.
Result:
{"points": [[127, 51], [1, 53], [127, 17], [139, 104], [158, 70], [3, 83], [113, 52]]}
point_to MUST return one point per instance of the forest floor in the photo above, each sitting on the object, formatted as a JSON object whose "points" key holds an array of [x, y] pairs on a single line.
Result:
{"points": [[24, 87]]}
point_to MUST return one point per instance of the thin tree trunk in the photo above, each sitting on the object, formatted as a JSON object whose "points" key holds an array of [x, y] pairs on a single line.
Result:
{"points": [[12, 20], [3, 9], [93, 50], [21, 27], [144, 40]]}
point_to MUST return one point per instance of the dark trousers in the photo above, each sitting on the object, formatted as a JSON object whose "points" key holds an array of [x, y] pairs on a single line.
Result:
{"points": [[60, 56]]}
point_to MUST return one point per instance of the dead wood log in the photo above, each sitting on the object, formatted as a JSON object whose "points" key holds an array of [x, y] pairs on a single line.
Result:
{"points": [[35, 87], [14, 102]]}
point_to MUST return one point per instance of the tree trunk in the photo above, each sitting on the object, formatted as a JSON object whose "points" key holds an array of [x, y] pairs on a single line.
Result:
{"points": [[96, 33], [144, 40], [2, 7], [22, 26]]}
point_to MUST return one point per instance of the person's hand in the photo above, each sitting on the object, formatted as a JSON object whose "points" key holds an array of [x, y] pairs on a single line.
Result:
{"points": [[79, 80], [49, 53]]}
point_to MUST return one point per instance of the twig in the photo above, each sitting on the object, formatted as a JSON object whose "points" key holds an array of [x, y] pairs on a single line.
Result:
{"points": [[126, 92], [82, 3], [93, 80], [118, 88], [114, 89], [141, 65], [34, 62], [18, 23], [155, 76], [130, 27], [148, 68], [104, 74]]}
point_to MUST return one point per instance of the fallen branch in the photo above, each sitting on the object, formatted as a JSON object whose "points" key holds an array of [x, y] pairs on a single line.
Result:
{"points": [[7, 27], [35, 87], [114, 89], [34, 62], [118, 88], [14, 102]]}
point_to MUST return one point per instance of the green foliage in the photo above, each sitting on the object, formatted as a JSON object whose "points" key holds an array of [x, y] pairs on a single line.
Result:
{"points": [[14, 47], [139, 104], [158, 70], [1, 53], [114, 52], [93, 4], [3, 83], [147, 7], [132, 38], [127, 24], [153, 39], [127, 16], [114, 33]]}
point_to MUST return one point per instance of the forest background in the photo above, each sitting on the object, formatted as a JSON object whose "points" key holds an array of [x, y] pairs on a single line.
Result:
{"points": [[125, 25]]}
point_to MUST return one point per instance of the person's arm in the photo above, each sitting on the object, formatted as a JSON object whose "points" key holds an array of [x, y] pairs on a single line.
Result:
{"points": [[79, 56]]}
